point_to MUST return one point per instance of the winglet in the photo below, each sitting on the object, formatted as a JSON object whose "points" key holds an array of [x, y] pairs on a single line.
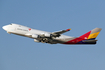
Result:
{"points": [[68, 29]]}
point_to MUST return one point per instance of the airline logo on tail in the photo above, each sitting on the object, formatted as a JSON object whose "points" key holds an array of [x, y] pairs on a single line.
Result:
{"points": [[87, 38]]}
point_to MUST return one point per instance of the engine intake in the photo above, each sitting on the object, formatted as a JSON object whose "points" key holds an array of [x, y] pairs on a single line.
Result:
{"points": [[35, 40]]}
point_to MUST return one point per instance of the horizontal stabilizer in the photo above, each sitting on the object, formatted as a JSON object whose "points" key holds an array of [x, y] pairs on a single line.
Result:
{"points": [[89, 40]]}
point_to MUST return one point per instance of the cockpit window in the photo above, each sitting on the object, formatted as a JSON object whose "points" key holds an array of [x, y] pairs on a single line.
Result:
{"points": [[10, 24]]}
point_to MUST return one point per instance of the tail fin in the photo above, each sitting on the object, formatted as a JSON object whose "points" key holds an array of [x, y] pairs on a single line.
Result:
{"points": [[91, 34]]}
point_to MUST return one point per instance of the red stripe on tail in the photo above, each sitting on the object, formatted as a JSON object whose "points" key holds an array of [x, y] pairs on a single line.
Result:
{"points": [[76, 40]]}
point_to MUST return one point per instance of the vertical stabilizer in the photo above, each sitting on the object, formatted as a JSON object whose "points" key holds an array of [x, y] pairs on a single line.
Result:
{"points": [[94, 33], [91, 34], [87, 38]]}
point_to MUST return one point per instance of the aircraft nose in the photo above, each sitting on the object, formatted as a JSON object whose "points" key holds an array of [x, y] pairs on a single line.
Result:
{"points": [[4, 27]]}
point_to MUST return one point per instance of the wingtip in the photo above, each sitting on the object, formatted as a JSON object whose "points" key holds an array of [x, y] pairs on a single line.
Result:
{"points": [[68, 29]]}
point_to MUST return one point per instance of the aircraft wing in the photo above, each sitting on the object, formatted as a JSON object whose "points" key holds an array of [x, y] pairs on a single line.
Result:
{"points": [[61, 32], [57, 34], [51, 35]]}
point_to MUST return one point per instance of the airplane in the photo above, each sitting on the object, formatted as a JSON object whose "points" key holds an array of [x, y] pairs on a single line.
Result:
{"points": [[52, 37]]}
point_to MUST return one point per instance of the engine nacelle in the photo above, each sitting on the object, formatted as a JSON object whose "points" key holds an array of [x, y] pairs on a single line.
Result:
{"points": [[35, 40], [35, 36], [47, 35], [51, 35]]}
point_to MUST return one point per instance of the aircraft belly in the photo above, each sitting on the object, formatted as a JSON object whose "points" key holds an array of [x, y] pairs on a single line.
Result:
{"points": [[63, 40]]}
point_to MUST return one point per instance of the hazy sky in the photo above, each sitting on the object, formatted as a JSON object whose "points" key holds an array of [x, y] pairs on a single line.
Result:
{"points": [[21, 53]]}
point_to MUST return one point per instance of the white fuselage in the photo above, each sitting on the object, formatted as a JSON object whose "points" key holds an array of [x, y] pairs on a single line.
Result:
{"points": [[29, 32], [52, 37]]}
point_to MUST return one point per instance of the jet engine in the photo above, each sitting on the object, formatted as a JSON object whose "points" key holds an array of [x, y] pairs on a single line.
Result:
{"points": [[51, 35], [35, 36], [35, 40], [47, 35]]}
